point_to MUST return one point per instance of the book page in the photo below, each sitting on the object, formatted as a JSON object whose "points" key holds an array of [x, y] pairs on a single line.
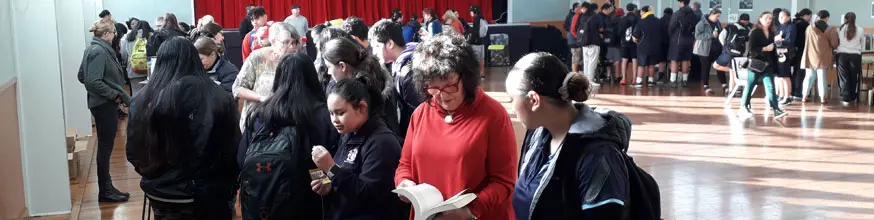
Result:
{"points": [[456, 202], [424, 197]]}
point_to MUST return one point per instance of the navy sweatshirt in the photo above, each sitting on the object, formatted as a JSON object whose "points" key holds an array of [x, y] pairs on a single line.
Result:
{"points": [[362, 185]]}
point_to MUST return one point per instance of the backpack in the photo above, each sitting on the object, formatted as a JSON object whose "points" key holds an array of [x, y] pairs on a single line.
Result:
{"points": [[138, 58], [644, 196], [736, 40], [269, 174], [627, 34]]}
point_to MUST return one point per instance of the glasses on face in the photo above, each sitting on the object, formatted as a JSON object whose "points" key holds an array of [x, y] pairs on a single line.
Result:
{"points": [[451, 88]]}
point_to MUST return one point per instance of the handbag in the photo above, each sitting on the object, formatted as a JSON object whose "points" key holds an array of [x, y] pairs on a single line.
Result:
{"points": [[757, 65]]}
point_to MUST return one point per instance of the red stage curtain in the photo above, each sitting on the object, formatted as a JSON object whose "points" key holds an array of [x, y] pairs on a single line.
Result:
{"points": [[229, 13]]}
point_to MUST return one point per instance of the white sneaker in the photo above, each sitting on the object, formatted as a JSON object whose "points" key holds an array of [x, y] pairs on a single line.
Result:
{"points": [[744, 113]]}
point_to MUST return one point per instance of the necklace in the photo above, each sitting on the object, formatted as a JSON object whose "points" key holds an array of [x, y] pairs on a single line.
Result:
{"points": [[448, 118]]}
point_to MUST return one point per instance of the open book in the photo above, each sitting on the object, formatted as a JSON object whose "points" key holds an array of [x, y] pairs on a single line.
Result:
{"points": [[428, 201]]}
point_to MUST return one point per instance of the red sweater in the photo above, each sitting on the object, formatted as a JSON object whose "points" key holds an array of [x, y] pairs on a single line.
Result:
{"points": [[477, 151]]}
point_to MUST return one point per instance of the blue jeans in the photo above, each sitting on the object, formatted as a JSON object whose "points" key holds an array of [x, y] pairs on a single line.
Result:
{"points": [[768, 80]]}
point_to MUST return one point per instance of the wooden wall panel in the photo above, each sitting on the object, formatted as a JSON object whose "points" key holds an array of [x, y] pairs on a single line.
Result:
{"points": [[12, 205]]}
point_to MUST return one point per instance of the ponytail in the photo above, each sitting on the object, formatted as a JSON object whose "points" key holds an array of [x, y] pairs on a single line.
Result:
{"points": [[850, 24], [361, 88]]}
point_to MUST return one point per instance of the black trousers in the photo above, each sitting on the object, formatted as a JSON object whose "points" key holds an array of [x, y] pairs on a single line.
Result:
{"points": [[106, 121], [172, 211], [797, 79], [706, 65], [849, 67]]}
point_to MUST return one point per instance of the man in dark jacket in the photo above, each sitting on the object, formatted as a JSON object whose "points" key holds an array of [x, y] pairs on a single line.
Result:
{"points": [[649, 36], [386, 38], [590, 31], [573, 38], [629, 48], [570, 16], [246, 24], [661, 75], [681, 29], [610, 45]]}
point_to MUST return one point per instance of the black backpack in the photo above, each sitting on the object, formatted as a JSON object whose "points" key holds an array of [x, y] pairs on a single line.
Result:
{"points": [[270, 180], [736, 41], [644, 196], [626, 31]]}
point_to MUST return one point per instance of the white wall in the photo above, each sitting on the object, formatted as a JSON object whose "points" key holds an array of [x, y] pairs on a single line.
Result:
{"points": [[149, 9], [41, 115], [76, 113], [536, 10], [7, 59]]}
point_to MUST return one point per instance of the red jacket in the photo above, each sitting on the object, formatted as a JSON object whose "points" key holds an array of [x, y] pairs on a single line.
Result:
{"points": [[477, 152]]}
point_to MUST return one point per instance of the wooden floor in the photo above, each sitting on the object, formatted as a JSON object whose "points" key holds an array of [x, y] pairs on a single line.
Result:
{"points": [[815, 164]]}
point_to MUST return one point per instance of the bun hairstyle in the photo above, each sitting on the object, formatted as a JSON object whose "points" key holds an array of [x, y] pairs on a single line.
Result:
{"points": [[360, 89], [823, 14], [101, 27], [546, 75]]}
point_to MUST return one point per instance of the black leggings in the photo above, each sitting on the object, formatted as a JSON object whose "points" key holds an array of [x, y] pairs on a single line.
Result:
{"points": [[106, 120], [706, 63], [797, 77]]}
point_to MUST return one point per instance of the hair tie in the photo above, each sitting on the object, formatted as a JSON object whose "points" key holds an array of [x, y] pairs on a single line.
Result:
{"points": [[563, 89]]}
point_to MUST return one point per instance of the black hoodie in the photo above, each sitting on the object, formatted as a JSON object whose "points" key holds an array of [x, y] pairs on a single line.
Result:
{"points": [[589, 171], [800, 38], [155, 41], [682, 27]]}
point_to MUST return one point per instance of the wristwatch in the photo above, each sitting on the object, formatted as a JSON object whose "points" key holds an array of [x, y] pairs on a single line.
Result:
{"points": [[333, 170]]}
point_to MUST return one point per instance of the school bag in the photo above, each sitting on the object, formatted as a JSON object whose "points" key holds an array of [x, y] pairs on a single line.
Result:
{"points": [[644, 195], [138, 59], [736, 41], [272, 172], [628, 32]]}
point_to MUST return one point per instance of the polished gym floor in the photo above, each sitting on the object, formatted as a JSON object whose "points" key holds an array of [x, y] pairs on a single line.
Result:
{"points": [[814, 164]]}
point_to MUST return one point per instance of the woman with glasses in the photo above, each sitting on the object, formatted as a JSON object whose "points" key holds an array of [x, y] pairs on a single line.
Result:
{"points": [[255, 80], [459, 138]]}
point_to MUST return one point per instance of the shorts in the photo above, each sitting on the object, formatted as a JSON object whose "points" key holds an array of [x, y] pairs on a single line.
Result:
{"points": [[680, 53], [614, 54], [628, 52], [648, 60], [576, 55], [478, 52], [723, 60]]}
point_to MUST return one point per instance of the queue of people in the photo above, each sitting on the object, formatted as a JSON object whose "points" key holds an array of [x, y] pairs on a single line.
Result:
{"points": [[802, 52]]}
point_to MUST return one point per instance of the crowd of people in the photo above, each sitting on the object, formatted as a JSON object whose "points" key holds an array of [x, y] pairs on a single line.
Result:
{"points": [[330, 135], [788, 56]]}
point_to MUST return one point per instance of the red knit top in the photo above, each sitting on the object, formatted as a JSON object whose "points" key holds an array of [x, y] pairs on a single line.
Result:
{"points": [[476, 151]]}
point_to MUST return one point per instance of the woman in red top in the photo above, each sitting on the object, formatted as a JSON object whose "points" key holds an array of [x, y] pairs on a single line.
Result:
{"points": [[460, 138]]}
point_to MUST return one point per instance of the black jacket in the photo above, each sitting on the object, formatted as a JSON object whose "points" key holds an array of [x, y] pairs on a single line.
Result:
{"points": [[758, 40], [408, 97], [800, 36], [245, 28], [473, 33], [159, 37], [591, 26], [650, 36], [626, 27], [590, 170], [206, 118], [568, 19], [323, 134], [612, 33], [224, 73], [679, 28], [361, 186]]}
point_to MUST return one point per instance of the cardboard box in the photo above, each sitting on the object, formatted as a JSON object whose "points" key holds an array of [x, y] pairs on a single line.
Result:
{"points": [[71, 139], [73, 165]]}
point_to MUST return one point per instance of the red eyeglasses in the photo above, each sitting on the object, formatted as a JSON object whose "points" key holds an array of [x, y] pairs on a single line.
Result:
{"points": [[451, 88]]}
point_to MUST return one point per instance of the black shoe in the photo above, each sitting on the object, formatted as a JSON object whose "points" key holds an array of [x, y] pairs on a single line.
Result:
{"points": [[115, 190], [110, 196]]}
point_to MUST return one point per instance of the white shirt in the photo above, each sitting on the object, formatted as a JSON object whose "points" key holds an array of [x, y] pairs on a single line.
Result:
{"points": [[853, 46]]}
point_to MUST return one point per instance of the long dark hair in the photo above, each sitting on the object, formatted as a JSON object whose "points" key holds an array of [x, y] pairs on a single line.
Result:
{"points": [[850, 23], [758, 25], [142, 25], [344, 50], [296, 96], [325, 35], [170, 22], [161, 118]]}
